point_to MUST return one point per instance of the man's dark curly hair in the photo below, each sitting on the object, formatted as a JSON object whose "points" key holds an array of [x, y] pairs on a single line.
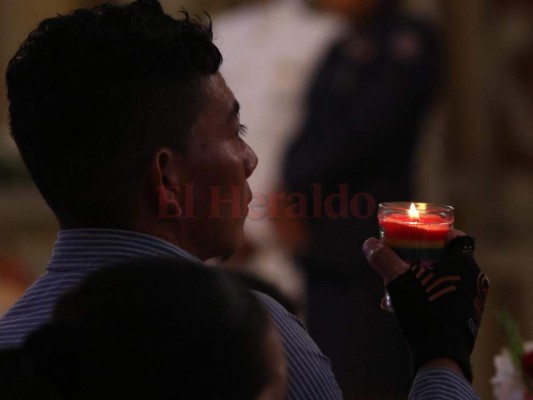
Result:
{"points": [[94, 93]]}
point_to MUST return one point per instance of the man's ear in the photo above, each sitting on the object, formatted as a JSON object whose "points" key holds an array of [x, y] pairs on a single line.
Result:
{"points": [[167, 165], [167, 176]]}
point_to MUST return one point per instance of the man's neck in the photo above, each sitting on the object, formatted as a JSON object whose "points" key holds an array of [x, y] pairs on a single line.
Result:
{"points": [[173, 236]]}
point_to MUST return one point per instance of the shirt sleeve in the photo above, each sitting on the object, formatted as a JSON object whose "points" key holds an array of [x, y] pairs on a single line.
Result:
{"points": [[310, 374], [441, 384]]}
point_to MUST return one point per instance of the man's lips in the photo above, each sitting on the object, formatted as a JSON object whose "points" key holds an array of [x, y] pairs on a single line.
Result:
{"points": [[248, 197]]}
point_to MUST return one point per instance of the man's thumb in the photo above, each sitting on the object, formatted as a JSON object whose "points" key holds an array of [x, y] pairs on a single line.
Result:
{"points": [[384, 260]]}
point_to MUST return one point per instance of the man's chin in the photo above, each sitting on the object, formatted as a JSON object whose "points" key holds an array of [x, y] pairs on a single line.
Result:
{"points": [[226, 257], [215, 260], [226, 250], [229, 248]]}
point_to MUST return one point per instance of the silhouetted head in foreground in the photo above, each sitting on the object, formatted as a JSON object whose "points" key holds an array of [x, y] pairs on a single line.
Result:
{"points": [[158, 329]]}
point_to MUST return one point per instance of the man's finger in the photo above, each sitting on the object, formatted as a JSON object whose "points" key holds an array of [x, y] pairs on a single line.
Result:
{"points": [[454, 233], [384, 260], [383, 304]]}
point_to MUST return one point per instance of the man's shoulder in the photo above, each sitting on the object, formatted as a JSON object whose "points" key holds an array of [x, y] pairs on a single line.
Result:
{"points": [[35, 306], [310, 374], [277, 311]]}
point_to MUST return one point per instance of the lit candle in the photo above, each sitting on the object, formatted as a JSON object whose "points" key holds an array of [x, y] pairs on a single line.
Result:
{"points": [[416, 231]]}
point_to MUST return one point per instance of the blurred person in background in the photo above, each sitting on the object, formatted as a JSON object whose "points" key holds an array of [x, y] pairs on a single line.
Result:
{"points": [[363, 113], [271, 50], [151, 329]]}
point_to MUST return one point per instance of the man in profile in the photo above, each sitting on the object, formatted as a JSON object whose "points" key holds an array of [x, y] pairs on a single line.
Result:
{"points": [[121, 116]]}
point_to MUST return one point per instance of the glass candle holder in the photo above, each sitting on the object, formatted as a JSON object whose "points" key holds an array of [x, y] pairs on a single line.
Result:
{"points": [[415, 231]]}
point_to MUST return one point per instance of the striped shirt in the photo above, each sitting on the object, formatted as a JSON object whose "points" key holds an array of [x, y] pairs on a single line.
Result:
{"points": [[78, 252]]}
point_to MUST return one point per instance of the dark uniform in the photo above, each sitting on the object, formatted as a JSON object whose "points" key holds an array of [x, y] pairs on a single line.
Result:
{"points": [[364, 110]]}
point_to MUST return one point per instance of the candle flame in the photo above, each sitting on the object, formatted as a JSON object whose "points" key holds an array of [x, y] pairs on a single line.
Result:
{"points": [[413, 212]]}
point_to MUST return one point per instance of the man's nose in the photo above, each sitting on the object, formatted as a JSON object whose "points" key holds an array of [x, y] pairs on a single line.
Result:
{"points": [[250, 161]]}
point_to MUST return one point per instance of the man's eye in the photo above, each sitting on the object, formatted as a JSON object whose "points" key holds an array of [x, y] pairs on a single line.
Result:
{"points": [[242, 130]]}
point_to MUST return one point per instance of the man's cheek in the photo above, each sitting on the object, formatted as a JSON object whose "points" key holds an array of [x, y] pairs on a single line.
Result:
{"points": [[227, 201]]}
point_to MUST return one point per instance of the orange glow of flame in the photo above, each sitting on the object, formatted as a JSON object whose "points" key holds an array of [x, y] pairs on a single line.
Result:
{"points": [[413, 212]]}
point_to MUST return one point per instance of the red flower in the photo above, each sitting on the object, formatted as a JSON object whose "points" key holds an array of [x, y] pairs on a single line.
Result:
{"points": [[527, 363]]}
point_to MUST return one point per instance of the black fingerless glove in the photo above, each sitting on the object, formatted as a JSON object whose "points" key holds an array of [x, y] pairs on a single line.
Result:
{"points": [[439, 309]]}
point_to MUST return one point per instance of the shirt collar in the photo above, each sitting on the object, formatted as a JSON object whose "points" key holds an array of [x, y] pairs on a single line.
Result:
{"points": [[95, 247]]}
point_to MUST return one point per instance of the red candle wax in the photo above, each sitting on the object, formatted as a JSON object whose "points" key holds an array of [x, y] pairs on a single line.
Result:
{"points": [[426, 227]]}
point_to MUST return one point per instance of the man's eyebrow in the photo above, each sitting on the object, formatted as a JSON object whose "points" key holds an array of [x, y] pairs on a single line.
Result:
{"points": [[236, 109], [234, 113]]}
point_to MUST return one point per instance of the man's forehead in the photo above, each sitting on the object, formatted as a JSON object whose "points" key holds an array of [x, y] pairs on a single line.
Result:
{"points": [[218, 88], [222, 105]]}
